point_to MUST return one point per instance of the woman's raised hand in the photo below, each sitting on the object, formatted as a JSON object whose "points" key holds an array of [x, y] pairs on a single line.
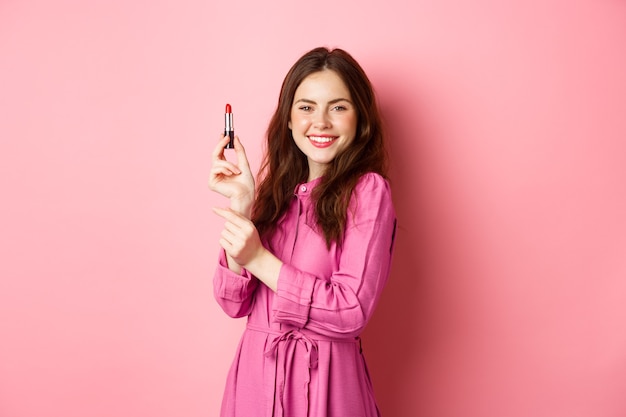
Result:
{"points": [[232, 180]]}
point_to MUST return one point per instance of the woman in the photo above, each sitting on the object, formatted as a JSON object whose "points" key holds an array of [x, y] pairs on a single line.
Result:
{"points": [[306, 257]]}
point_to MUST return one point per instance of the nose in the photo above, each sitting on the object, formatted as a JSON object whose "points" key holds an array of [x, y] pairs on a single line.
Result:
{"points": [[321, 120]]}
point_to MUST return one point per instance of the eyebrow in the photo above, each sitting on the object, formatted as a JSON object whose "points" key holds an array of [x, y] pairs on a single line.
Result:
{"points": [[309, 101]]}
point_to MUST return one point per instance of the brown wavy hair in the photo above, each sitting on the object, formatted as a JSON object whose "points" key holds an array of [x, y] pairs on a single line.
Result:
{"points": [[284, 166]]}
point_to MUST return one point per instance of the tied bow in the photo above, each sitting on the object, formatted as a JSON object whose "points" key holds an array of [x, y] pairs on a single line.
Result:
{"points": [[283, 349]]}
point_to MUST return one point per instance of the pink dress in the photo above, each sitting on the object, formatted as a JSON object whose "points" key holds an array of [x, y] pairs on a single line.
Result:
{"points": [[301, 355]]}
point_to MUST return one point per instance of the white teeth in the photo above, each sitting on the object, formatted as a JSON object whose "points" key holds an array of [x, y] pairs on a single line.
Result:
{"points": [[319, 139]]}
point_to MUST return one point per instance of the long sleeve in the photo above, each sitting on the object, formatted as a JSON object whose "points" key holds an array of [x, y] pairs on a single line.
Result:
{"points": [[344, 302], [233, 292]]}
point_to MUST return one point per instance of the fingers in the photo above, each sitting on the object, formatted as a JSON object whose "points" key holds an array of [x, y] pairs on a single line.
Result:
{"points": [[242, 159], [225, 168], [239, 237], [232, 180], [232, 217], [226, 245], [236, 224], [228, 240], [220, 164], [218, 151]]}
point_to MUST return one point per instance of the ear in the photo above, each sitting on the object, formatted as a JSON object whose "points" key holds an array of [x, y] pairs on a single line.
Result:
{"points": [[289, 125]]}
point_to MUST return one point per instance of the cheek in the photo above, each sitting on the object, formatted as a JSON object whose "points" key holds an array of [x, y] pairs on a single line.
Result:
{"points": [[297, 121], [350, 123]]}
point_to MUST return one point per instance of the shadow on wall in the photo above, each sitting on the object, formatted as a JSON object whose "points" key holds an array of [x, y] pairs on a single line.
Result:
{"points": [[396, 340]]}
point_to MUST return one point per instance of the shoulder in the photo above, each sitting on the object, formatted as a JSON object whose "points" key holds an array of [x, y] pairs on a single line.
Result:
{"points": [[372, 184], [372, 194]]}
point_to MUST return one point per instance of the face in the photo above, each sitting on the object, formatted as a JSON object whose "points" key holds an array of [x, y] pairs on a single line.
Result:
{"points": [[323, 119]]}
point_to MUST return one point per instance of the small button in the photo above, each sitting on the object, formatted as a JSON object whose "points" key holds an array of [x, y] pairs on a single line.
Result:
{"points": [[303, 188]]}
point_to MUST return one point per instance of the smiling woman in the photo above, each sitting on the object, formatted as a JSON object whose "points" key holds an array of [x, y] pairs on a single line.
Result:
{"points": [[323, 119], [306, 259]]}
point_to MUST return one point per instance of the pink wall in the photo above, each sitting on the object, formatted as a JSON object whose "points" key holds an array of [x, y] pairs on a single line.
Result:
{"points": [[508, 293]]}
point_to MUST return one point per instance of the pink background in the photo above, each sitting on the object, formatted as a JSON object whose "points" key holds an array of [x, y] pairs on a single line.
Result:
{"points": [[508, 122]]}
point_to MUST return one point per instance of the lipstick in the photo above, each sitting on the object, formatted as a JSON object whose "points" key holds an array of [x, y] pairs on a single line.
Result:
{"points": [[229, 129]]}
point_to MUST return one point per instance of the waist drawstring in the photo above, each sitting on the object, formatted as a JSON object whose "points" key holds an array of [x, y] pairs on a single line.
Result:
{"points": [[283, 348]]}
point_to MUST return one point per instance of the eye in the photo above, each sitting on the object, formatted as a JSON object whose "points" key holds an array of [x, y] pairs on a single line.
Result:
{"points": [[305, 108], [340, 108]]}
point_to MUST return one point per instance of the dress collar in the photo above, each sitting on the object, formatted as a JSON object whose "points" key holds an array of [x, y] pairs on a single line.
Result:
{"points": [[305, 188]]}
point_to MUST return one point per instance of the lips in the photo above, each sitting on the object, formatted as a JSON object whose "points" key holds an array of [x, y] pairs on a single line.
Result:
{"points": [[322, 141]]}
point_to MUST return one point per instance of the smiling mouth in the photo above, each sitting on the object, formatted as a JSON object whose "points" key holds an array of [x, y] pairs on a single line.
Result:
{"points": [[322, 139]]}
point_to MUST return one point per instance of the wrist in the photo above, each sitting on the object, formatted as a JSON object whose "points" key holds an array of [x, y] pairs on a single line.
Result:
{"points": [[242, 207], [266, 267]]}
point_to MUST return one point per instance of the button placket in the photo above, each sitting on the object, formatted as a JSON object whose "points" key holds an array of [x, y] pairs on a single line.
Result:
{"points": [[297, 226]]}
